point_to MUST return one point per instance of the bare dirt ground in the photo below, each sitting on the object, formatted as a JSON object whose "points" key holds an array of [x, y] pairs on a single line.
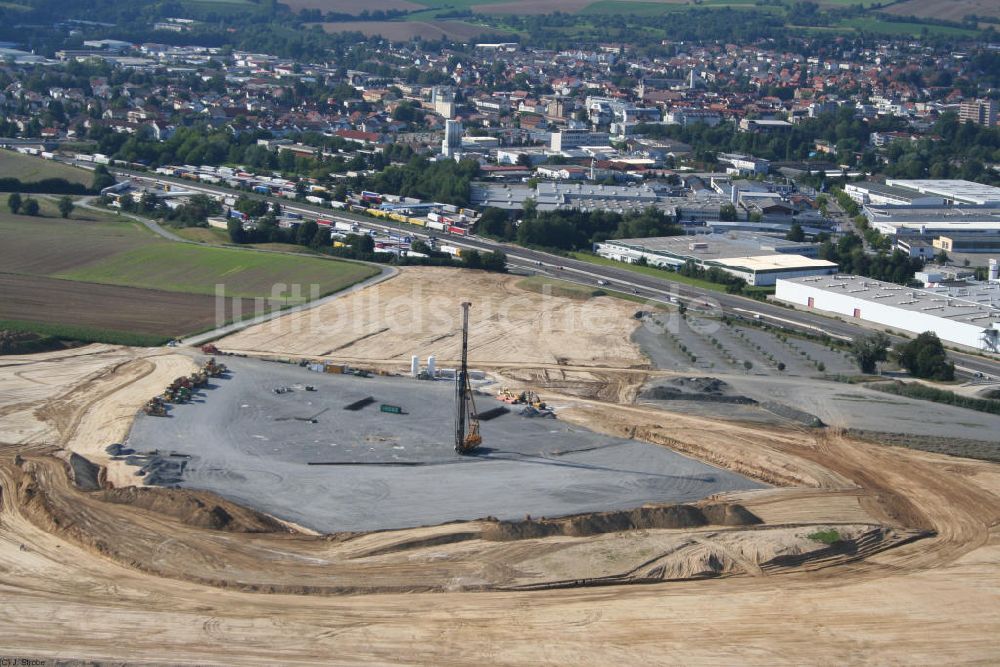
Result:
{"points": [[418, 313], [87, 579]]}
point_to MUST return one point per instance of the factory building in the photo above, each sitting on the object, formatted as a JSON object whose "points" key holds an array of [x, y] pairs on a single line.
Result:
{"points": [[953, 191], [983, 221], [964, 314], [759, 260]]}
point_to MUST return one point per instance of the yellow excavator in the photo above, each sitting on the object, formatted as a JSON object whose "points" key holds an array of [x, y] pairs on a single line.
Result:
{"points": [[467, 438]]}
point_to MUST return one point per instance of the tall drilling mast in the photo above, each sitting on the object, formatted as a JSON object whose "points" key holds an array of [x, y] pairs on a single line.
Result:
{"points": [[465, 407]]}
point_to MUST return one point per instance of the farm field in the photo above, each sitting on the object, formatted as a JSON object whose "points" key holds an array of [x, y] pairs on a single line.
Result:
{"points": [[352, 7], [104, 312], [949, 10], [114, 277], [406, 30], [28, 169], [197, 270], [873, 25]]}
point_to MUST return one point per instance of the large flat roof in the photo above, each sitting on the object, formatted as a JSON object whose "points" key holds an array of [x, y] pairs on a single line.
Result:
{"points": [[735, 244], [969, 191], [763, 263], [976, 304]]}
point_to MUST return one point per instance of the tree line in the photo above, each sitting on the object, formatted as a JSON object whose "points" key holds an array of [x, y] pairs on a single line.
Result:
{"points": [[574, 229]]}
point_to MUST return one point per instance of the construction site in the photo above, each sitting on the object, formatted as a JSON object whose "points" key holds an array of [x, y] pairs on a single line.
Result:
{"points": [[434, 470]]}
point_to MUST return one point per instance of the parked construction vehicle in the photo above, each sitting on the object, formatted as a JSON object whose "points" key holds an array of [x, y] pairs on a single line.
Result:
{"points": [[155, 407], [213, 369], [467, 440], [522, 398]]}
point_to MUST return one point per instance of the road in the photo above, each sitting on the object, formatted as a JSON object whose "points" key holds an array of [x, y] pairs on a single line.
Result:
{"points": [[661, 290]]}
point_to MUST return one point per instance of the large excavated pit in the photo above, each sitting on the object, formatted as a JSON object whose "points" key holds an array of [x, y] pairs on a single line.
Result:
{"points": [[302, 457]]}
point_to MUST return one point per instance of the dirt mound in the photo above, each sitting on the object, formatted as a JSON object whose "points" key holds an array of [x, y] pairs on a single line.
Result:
{"points": [[86, 475], [707, 389], [794, 414], [595, 523], [700, 385], [729, 514], [196, 508]]}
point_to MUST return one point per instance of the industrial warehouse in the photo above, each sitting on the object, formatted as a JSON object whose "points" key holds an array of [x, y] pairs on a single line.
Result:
{"points": [[966, 314], [757, 259]]}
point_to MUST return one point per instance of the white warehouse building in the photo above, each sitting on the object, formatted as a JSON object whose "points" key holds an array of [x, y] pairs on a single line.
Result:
{"points": [[966, 315], [758, 260]]}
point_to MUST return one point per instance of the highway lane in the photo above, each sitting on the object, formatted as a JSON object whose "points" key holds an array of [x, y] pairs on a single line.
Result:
{"points": [[661, 290]]}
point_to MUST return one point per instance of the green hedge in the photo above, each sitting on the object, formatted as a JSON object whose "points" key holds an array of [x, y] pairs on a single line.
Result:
{"points": [[86, 334], [923, 392]]}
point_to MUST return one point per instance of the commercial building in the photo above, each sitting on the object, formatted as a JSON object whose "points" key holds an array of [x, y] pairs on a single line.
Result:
{"points": [[934, 220], [566, 139], [953, 191], [968, 243], [759, 260], [981, 112], [761, 125], [880, 194], [967, 314], [452, 142]]}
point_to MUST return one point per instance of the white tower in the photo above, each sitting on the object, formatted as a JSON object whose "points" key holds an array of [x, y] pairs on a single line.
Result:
{"points": [[994, 274]]}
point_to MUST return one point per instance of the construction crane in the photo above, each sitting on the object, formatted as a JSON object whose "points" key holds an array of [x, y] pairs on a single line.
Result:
{"points": [[465, 442]]}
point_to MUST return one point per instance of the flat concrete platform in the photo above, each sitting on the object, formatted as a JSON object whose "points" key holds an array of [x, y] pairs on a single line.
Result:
{"points": [[254, 446]]}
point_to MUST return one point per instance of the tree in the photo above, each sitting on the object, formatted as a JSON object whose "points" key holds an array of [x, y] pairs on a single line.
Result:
{"points": [[471, 259], [492, 223], [747, 366], [869, 350], [306, 232], [727, 213], [321, 238], [941, 257], [102, 178], [795, 233], [65, 206], [14, 203], [495, 261], [30, 207], [924, 357], [529, 207], [235, 229]]}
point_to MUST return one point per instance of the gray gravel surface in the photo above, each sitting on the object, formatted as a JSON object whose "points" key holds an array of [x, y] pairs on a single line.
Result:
{"points": [[253, 446]]}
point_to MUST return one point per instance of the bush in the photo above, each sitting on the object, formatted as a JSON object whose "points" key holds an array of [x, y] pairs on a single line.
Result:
{"points": [[924, 357], [830, 536], [923, 392]]}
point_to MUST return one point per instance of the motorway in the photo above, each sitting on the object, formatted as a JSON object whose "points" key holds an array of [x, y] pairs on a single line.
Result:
{"points": [[656, 290]]}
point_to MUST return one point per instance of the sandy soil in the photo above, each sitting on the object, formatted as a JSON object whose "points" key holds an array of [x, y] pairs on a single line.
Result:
{"points": [[418, 312], [88, 580]]}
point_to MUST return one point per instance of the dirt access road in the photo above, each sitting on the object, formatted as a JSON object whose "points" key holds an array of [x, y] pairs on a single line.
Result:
{"points": [[113, 582]]}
